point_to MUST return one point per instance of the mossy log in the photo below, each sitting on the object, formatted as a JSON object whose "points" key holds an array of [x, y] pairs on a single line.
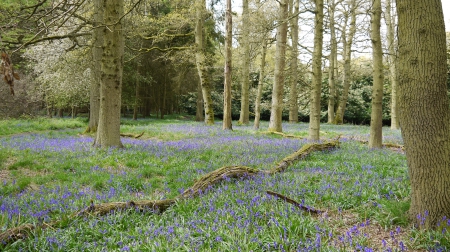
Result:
{"points": [[131, 135], [159, 206]]}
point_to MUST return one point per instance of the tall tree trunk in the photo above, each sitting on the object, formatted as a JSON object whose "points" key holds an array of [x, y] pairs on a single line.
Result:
{"points": [[348, 42], [94, 89], [245, 103], [376, 116], [293, 94], [424, 108], [332, 67], [280, 62], [314, 114], [390, 23], [260, 83], [199, 116], [136, 99], [227, 71], [201, 62], [108, 133]]}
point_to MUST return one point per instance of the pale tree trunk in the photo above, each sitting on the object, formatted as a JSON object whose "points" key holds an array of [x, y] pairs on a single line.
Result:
{"points": [[293, 94], [316, 86], [199, 116], [424, 108], [280, 62], [260, 83], [376, 115], [347, 40], [227, 71], [136, 99], [94, 89], [332, 67], [390, 23], [108, 133], [201, 62], [245, 103]]}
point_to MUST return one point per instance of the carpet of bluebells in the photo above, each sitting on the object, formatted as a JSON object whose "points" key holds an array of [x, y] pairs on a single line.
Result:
{"points": [[50, 174]]}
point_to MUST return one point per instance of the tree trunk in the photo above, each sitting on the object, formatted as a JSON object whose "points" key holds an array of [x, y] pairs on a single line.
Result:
{"points": [[200, 59], [376, 116], [347, 43], [227, 71], [293, 94], [280, 62], [108, 134], [260, 83], [332, 67], [314, 114], [136, 98], [424, 108], [199, 116], [392, 48], [245, 104], [94, 89]]}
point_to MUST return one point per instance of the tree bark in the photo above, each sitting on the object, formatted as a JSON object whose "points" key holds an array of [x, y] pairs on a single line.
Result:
{"points": [[97, 50], [392, 48], [136, 98], [347, 43], [108, 133], [227, 125], [376, 116], [245, 103], [293, 94], [314, 114], [333, 62], [199, 116], [262, 75], [201, 62], [424, 108], [280, 62]]}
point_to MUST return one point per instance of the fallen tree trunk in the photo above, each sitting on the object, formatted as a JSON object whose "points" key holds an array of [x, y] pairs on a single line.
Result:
{"points": [[159, 206]]}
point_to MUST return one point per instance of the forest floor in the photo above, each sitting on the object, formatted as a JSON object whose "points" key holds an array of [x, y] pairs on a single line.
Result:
{"points": [[49, 170]]}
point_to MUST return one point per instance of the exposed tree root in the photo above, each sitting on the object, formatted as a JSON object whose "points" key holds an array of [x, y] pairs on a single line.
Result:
{"points": [[131, 135], [295, 203], [201, 185]]}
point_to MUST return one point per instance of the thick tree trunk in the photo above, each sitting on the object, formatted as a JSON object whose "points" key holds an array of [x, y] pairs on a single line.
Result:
{"points": [[245, 66], [333, 62], [293, 94], [262, 74], [227, 72], [94, 89], [347, 43], [280, 62], [314, 114], [424, 108], [108, 133], [376, 116], [201, 62], [392, 48]]}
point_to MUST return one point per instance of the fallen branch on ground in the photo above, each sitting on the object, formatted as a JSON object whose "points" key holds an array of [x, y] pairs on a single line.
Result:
{"points": [[295, 203], [159, 206], [131, 135]]}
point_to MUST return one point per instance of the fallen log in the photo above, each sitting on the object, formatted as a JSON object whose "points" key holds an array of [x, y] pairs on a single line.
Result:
{"points": [[131, 135], [159, 206], [295, 203]]}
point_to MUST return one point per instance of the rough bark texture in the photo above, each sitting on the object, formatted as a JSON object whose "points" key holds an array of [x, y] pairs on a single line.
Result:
{"points": [[280, 62], [293, 92], [376, 116], [347, 40], [424, 108], [199, 116], [158, 206], [333, 62], [227, 123], [245, 65], [200, 59], [97, 50], [316, 86], [262, 75], [108, 133], [392, 49]]}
